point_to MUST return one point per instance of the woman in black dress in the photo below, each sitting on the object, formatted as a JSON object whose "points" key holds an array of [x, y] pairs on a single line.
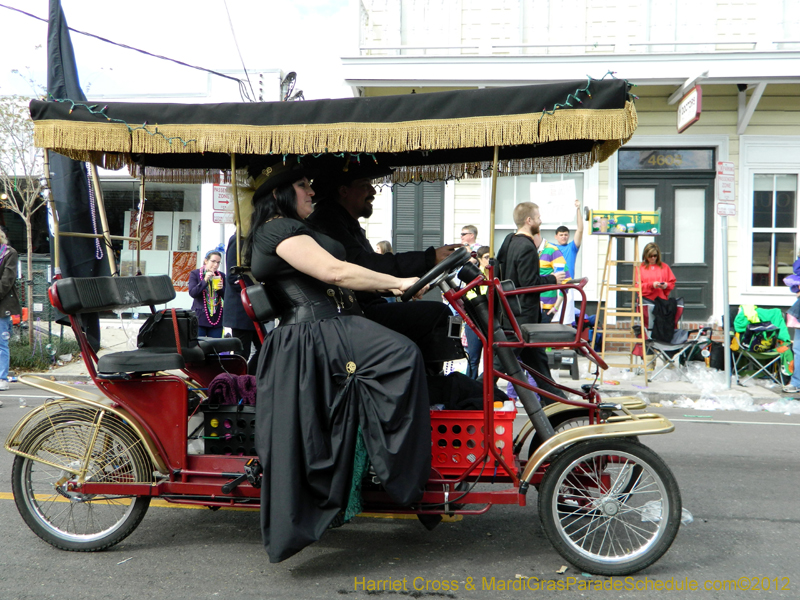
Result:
{"points": [[325, 373]]}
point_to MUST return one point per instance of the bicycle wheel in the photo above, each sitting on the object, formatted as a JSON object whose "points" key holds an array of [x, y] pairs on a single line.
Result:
{"points": [[73, 445], [610, 507]]}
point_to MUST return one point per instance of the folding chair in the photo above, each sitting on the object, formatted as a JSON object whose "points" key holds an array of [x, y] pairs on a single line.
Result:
{"points": [[675, 353], [749, 363]]}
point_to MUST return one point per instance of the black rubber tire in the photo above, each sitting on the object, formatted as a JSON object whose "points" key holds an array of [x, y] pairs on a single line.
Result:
{"points": [[51, 514], [594, 528]]}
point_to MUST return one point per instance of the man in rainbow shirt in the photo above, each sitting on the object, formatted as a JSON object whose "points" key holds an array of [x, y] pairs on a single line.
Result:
{"points": [[550, 261]]}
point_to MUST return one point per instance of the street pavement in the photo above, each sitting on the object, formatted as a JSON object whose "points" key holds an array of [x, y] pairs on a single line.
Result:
{"points": [[735, 453], [738, 477]]}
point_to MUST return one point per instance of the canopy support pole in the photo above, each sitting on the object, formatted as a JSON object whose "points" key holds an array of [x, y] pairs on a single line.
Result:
{"points": [[101, 210], [236, 219], [494, 199], [56, 233], [139, 223]]}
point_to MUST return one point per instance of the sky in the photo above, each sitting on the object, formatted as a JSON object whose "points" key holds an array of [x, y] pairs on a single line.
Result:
{"points": [[305, 36]]}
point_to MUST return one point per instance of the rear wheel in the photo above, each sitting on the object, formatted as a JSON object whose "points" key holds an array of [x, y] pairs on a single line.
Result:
{"points": [[610, 507], [74, 446]]}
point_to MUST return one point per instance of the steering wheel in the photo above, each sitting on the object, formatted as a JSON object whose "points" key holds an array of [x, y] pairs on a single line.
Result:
{"points": [[455, 260]]}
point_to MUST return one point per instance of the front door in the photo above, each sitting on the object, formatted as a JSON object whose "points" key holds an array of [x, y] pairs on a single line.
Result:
{"points": [[687, 234]]}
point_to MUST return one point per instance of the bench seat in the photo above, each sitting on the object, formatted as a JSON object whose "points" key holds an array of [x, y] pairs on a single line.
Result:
{"points": [[144, 360]]}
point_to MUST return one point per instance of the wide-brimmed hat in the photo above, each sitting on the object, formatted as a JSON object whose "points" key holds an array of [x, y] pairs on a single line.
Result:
{"points": [[332, 174], [268, 176]]}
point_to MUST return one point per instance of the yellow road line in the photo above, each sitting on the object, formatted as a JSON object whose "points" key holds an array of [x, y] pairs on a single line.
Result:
{"points": [[164, 504]]}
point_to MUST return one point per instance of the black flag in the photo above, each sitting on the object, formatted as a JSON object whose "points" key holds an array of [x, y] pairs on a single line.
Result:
{"points": [[80, 257]]}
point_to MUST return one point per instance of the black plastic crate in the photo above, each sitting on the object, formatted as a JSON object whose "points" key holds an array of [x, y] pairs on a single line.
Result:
{"points": [[230, 430]]}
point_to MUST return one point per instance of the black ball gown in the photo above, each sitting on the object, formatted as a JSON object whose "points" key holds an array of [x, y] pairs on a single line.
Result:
{"points": [[322, 373]]}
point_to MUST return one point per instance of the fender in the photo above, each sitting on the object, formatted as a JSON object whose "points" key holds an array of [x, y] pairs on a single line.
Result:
{"points": [[621, 426], [77, 397], [556, 408]]}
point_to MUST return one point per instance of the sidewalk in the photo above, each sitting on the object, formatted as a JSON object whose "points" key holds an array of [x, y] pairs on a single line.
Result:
{"points": [[698, 387]]}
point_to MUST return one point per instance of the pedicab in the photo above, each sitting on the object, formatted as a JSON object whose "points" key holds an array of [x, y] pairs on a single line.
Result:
{"points": [[88, 464]]}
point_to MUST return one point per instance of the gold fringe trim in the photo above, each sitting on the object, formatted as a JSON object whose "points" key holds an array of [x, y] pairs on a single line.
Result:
{"points": [[529, 166], [410, 174], [80, 140], [159, 175]]}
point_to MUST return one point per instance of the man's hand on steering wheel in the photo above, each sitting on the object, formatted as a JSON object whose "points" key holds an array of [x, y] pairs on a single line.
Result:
{"points": [[445, 251]]}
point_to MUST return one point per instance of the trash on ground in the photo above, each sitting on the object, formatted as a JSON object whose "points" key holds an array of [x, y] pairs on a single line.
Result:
{"points": [[651, 513], [562, 570]]}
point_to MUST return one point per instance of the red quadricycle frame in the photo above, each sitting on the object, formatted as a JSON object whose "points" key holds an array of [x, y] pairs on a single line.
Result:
{"points": [[87, 465]]}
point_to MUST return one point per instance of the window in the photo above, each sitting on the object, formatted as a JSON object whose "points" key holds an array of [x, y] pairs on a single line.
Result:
{"points": [[524, 188], [170, 228], [774, 228]]}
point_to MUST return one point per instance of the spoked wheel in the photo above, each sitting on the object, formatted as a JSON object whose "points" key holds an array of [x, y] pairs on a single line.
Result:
{"points": [[610, 507], [80, 446]]}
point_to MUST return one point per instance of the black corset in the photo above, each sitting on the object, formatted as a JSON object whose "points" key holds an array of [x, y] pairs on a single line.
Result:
{"points": [[303, 299]]}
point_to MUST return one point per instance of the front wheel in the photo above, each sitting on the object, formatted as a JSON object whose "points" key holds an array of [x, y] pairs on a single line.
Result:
{"points": [[610, 507], [80, 446]]}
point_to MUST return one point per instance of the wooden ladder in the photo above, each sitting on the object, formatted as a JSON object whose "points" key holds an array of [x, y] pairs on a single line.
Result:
{"points": [[634, 312]]}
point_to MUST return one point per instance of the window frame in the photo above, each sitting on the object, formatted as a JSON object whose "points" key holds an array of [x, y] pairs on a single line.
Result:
{"points": [[763, 155]]}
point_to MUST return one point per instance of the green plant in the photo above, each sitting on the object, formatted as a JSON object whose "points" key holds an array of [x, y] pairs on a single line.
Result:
{"points": [[41, 356]]}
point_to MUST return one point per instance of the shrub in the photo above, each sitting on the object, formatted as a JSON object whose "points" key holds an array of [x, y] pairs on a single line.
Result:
{"points": [[43, 354]]}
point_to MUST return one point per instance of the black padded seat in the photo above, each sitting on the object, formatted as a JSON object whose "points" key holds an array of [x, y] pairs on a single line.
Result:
{"points": [[553, 333], [214, 346], [145, 360]]}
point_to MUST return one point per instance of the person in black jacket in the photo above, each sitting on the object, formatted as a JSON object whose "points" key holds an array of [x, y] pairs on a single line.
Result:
{"points": [[519, 261], [346, 196], [9, 303], [234, 316]]}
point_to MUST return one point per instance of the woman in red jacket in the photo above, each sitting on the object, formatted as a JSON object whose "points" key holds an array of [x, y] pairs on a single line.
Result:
{"points": [[657, 278]]}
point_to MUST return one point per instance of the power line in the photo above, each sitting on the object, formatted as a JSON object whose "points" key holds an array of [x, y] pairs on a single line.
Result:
{"points": [[236, 43], [102, 39]]}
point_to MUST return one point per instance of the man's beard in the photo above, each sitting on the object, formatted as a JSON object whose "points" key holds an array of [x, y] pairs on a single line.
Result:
{"points": [[366, 212]]}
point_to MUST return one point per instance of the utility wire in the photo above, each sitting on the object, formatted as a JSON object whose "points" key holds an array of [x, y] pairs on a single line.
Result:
{"points": [[239, 52], [102, 39]]}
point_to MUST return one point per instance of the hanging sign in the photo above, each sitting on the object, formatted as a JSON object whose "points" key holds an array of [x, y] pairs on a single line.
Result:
{"points": [[689, 108]]}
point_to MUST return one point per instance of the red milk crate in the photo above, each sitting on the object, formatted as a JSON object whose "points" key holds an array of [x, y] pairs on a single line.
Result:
{"points": [[457, 439]]}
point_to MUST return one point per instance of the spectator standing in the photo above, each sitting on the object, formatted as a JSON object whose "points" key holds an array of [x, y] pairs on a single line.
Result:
{"points": [[550, 261], [207, 287], [469, 237], [793, 321], [235, 317], [519, 262], [474, 345], [9, 303], [569, 249]]}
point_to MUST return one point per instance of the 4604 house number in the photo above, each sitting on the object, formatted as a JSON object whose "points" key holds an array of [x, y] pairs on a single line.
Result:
{"points": [[665, 160]]}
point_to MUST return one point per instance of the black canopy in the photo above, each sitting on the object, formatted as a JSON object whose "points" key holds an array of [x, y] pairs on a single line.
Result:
{"points": [[557, 127]]}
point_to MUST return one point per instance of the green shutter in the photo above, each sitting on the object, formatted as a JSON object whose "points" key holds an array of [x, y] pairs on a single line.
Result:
{"points": [[418, 216]]}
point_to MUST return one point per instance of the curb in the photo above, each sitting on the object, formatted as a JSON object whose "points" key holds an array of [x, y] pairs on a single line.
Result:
{"points": [[57, 376], [657, 396]]}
